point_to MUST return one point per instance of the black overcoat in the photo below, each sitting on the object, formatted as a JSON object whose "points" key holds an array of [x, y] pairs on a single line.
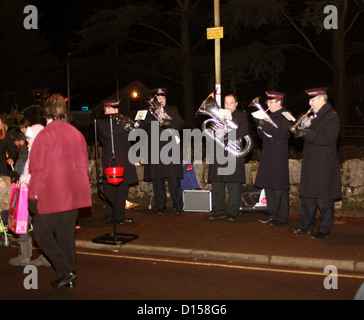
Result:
{"points": [[7, 144], [161, 170], [320, 173], [273, 171], [240, 118], [121, 148]]}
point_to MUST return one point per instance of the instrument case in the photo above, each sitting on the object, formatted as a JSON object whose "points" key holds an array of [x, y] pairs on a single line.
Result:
{"points": [[197, 200]]}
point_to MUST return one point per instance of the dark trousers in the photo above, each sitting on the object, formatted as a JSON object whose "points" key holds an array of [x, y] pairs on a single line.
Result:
{"points": [[55, 235], [308, 214], [160, 195], [278, 204], [117, 195], [218, 198]]}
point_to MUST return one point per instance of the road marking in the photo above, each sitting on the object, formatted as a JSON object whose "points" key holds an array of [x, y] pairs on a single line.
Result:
{"points": [[221, 265]]}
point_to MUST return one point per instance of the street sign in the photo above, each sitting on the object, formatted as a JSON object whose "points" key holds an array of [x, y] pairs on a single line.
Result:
{"points": [[215, 33]]}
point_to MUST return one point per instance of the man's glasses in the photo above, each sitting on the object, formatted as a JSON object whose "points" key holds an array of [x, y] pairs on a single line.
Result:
{"points": [[160, 95]]}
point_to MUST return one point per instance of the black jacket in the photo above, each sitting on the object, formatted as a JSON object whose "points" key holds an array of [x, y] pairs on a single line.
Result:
{"points": [[320, 174], [273, 171], [7, 144], [121, 148], [161, 170]]}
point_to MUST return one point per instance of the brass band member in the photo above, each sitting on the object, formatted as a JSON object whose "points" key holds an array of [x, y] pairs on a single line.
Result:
{"points": [[232, 182], [116, 193], [273, 172], [158, 173], [320, 173]]}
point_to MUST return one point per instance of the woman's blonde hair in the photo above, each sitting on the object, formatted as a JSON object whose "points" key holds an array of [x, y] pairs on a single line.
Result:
{"points": [[55, 108]]}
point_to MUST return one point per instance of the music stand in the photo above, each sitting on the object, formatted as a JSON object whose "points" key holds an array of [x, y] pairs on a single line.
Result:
{"points": [[112, 238]]}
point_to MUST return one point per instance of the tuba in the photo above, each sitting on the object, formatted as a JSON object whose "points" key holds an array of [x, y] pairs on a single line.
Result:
{"points": [[221, 127], [157, 111], [304, 121], [255, 103]]}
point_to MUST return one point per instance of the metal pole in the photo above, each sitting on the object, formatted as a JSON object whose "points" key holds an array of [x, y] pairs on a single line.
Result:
{"points": [[217, 54]]}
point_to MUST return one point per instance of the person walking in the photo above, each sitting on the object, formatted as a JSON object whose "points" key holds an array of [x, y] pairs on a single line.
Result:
{"points": [[58, 187]]}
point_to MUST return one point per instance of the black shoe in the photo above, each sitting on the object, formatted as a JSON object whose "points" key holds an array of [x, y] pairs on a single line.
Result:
{"points": [[319, 235], [231, 218], [299, 231], [216, 217], [269, 220], [276, 223], [61, 282], [125, 220], [161, 211], [118, 222], [178, 211]]}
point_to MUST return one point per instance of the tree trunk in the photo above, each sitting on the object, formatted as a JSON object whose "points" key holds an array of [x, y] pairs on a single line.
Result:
{"points": [[187, 75], [339, 64]]}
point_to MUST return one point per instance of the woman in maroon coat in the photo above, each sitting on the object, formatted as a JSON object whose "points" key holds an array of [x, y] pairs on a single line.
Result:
{"points": [[58, 187]]}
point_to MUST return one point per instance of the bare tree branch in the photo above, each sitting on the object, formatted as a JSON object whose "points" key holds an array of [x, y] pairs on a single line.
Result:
{"points": [[161, 32]]}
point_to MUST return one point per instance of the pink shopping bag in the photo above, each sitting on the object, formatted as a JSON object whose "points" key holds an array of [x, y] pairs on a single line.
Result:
{"points": [[18, 211]]}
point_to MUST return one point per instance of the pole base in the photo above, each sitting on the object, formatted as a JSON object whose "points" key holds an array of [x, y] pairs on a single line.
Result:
{"points": [[115, 238]]}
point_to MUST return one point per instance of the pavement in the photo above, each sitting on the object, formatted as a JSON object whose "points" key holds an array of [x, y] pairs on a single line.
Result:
{"points": [[192, 235]]}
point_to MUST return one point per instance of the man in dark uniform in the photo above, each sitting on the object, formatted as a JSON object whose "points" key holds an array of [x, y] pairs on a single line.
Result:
{"points": [[273, 172], [233, 181], [159, 172], [320, 173], [120, 144]]}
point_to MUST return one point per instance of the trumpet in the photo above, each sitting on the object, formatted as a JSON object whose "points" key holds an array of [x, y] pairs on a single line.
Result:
{"points": [[158, 111], [222, 126], [304, 121], [255, 103]]}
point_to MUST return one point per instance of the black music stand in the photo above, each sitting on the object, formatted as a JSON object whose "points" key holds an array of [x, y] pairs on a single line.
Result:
{"points": [[112, 238]]}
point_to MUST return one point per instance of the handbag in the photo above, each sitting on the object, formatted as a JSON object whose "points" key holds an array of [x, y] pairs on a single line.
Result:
{"points": [[18, 211]]}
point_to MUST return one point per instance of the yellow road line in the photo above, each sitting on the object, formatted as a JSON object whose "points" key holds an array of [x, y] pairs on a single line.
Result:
{"points": [[223, 265]]}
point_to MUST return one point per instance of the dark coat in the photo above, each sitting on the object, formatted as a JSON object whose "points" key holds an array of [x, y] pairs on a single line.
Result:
{"points": [[161, 170], [320, 174], [7, 144], [240, 118], [273, 171], [121, 148]]}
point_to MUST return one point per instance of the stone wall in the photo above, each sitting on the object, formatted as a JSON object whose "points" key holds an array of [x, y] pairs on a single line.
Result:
{"points": [[352, 177]]}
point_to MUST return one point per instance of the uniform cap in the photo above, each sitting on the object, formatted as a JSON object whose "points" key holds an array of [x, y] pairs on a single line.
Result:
{"points": [[316, 92], [112, 103], [275, 95], [159, 90]]}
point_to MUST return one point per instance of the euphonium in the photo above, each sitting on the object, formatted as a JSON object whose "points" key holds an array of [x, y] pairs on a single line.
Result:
{"points": [[255, 103], [304, 121], [221, 127], [157, 111]]}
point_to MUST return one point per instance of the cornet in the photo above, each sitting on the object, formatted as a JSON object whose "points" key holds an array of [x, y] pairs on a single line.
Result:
{"points": [[157, 111], [222, 126], [255, 103], [304, 121], [126, 122]]}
